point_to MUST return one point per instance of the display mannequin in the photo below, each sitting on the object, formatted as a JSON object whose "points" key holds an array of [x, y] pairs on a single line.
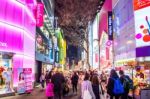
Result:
{"points": [[1, 76]]}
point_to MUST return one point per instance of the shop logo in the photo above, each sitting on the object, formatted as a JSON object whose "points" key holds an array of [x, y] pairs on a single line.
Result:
{"points": [[145, 32], [3, 44], [109, 43]]}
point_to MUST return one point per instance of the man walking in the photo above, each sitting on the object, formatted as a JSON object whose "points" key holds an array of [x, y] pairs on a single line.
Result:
{"points": [[58, 80], [127, 84]]}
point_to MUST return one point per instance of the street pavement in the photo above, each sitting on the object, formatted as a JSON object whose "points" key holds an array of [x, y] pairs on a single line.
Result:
{"points": [[40, 94]]}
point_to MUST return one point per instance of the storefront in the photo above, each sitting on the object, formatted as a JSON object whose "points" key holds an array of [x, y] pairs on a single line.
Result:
{"points": [[62, 49], [6, 83], [17, 31], [142, 26]]}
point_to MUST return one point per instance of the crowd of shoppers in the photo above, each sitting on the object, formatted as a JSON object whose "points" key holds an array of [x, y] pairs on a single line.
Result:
{"points": [[93, 85]]}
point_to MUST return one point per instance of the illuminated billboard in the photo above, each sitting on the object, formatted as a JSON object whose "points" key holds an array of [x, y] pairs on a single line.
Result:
{"points": [[142, 27]]}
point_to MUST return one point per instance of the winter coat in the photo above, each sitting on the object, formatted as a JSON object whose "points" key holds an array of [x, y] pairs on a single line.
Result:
{"points": [[58, 80], [96, 90], [74, 79], [84, 86], [50, 90], [110, 86]]}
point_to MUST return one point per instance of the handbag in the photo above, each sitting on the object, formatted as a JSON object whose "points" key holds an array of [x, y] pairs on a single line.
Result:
{"points": [[86, 94]]}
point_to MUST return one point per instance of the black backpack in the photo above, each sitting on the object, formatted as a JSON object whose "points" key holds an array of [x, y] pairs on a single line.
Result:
{"points": [[127, 83]]}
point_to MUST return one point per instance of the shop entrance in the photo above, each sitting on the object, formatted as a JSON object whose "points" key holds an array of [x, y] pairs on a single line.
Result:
{"points": [[6, 73]]}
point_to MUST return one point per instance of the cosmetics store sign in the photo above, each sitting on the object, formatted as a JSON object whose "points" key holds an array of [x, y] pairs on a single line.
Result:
{"points": [[3, 44], [142, 27]]}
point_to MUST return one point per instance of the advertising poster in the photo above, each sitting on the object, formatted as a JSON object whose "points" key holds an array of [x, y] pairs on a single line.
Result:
{"points": [[142, 27], [21, 82], [28, 79], [25, 80]]}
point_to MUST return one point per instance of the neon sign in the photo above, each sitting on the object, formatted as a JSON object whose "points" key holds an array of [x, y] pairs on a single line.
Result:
{"points": [[110, 26], [3, 44]]}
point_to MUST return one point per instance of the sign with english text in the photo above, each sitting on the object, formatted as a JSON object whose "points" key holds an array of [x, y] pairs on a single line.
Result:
{"points": [[110, 26]]}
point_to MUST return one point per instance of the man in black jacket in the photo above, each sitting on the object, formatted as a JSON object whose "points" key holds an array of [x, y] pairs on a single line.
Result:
{"points": [[58, 80], [74, 81], [127, 83]]}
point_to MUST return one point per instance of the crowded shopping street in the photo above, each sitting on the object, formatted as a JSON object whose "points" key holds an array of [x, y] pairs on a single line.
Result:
{"points": [[74, 49]]}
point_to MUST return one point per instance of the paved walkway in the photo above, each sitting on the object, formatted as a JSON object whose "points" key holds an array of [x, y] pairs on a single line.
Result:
{"points": [[39, 94]]}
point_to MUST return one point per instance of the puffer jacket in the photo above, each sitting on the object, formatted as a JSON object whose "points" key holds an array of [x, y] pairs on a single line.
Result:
{"points": [[50, 90]]}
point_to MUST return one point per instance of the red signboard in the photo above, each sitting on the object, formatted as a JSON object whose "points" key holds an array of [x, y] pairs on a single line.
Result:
{"points": [[139, 4], [107, 53], [39, 14]]}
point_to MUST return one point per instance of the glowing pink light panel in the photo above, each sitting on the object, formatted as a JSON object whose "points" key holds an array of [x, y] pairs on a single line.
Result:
{"points": [[17, 33]]}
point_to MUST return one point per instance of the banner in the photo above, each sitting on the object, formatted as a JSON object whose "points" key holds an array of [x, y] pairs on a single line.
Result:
{"points": [[28, 79], [39, 14], [110, 26], [139, 4], [21, 82], [25, 83]]}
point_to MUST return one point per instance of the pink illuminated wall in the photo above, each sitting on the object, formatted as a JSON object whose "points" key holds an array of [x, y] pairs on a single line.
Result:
{"points": [[17, 33], [103, 16]]}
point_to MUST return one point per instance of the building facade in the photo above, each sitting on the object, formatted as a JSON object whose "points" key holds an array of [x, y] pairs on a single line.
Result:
{"points": [[17, 42]]}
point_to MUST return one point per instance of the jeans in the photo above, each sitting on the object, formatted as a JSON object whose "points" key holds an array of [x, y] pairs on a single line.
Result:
{"points": [[74, 86], [42, 83]]}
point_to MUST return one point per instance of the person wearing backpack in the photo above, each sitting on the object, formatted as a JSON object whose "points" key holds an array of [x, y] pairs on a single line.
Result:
{"points": [[114, 86], [49, 89], [127, 84]]}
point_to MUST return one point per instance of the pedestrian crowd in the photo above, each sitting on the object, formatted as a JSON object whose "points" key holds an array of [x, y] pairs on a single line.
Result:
{"points": [[92, 84]]}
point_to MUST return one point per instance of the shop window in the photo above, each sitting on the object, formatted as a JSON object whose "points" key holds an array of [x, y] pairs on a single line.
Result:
{"points": [[5, 73]]}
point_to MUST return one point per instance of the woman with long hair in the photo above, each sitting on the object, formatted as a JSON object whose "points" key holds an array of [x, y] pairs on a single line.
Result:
{"points": [[96, 86], [86, 85]]}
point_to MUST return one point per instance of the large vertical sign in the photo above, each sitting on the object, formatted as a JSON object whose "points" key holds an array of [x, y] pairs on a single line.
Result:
{"points": [[40, 14], [110, 26]]}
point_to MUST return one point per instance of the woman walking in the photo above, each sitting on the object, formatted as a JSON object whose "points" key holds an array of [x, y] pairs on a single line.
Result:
{"points": [[86, 88], [96, 86]]}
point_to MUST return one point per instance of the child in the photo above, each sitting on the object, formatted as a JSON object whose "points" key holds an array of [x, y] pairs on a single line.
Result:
{"points": [[50, 90]]}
